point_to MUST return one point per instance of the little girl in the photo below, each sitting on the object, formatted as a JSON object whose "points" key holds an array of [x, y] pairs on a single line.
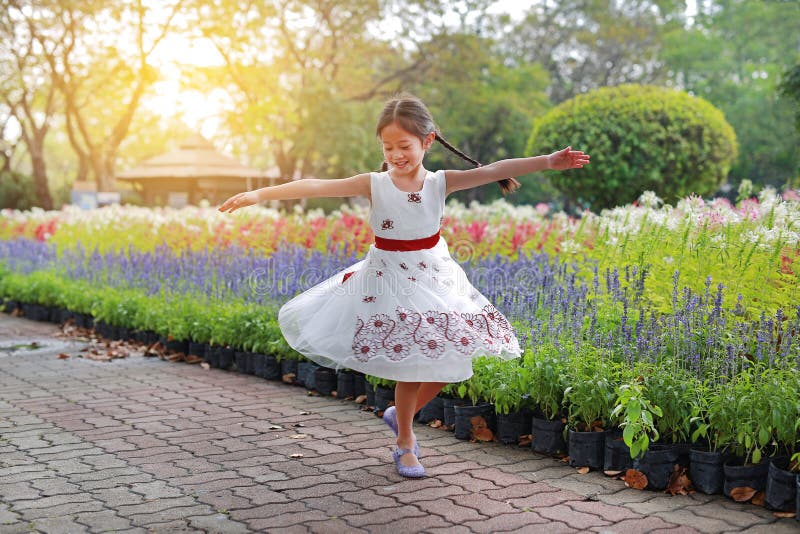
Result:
{"points": [[406, 312]]}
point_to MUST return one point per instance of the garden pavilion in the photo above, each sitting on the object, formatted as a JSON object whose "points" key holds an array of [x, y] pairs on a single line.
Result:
{"points": [[193, 172]]}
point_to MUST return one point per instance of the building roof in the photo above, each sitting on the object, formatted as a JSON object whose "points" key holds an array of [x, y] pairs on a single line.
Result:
{"points": [[196, 157]]}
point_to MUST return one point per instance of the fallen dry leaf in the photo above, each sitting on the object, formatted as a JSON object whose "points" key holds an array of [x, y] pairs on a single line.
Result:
{"points": [[361, 399], [193, 359], [611, 473], [525, 440], [288, 378], [742, 494], [583, 470], [305, 413], [436, 423], [679, 482], [63, 356], [565, 459], [635, 479], [296, 455], [276, 427], [298, 425], [298, 436], [758, 499], [480, 430], [784, 515], [205, 366]]}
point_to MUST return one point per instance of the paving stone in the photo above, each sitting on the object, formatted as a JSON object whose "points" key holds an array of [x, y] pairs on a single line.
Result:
{"points": [[57, 525], [688, 518], [169, 514], [19, 491], [328, 526], [7, 516], [217, 523], [505, 522], [642, 525], [63, 510], [384, 516], [102, 521], [450, 511], [564, 514]]}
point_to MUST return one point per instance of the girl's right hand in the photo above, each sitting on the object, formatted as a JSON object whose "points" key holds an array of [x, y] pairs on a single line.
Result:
{"points": [[239, 200]]}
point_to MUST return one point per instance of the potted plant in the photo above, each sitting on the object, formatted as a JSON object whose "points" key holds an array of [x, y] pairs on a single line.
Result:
{"points": [[782, 386], [476, 389], [741, 413], [546, 372], [508, 391], [590, 399], [384, 392], [450, 399], [706, 457], [636, 417]]}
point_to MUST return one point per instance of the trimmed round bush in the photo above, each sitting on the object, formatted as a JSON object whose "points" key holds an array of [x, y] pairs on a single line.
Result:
{"points": [[640, 138]]}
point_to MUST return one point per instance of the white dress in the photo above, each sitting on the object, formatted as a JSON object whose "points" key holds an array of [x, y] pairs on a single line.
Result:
{"points": [[407, 315]]}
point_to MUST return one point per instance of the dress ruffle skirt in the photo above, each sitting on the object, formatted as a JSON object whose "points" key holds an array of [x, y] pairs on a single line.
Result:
{"points": [[410, 316]]}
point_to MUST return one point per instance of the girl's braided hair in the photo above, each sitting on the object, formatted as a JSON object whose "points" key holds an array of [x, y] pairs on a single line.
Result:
{"points": [[411, 114]]}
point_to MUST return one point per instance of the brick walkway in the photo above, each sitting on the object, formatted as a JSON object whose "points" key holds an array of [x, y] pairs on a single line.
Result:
{"points": [[142, 445]]}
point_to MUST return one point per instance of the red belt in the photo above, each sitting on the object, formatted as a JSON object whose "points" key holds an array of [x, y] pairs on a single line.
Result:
{"points": [[406, 244]]}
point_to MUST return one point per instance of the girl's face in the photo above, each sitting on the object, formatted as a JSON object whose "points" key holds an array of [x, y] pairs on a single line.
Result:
{"points": [[402, 150]]}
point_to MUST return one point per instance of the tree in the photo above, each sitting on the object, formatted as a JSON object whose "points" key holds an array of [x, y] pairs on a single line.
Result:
{"points": [[733, 55], [28, 93], [101, 80], [585, 44], [483, 106]]}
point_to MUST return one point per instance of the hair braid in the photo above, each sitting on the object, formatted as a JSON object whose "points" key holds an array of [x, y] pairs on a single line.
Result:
{"points": [[507, 185]]}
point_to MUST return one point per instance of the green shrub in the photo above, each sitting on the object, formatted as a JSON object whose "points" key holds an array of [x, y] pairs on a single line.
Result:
{"points": [[17, 191], [640, 138]]}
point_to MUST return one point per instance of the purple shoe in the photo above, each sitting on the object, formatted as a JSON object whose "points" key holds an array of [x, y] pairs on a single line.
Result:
{"points": [[413, 471], [390, 418]]}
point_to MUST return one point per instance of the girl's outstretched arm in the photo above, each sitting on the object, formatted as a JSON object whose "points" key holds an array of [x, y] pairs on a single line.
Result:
{"points": [[357, 185], [511, 168]]}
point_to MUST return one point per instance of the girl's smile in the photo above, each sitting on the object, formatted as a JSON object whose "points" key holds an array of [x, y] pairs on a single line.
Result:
{"points": [[404, 151]]}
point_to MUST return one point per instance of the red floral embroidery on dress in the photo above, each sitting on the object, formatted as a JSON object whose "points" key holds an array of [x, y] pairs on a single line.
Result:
{"points": [[422, 265], [404, 266], [412, 278], [387, 224], [414, 197], [432, 333], [379, 273], [369, 299]]}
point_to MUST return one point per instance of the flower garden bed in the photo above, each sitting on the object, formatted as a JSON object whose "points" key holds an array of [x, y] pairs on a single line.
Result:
{"points": [[654, 336]]}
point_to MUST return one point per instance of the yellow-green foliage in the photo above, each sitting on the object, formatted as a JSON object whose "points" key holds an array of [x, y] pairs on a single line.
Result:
{"points": [[641, 138]]}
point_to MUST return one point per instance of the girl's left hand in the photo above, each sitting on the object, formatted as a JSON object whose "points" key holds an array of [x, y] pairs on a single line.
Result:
{"points": [[567, 159]]}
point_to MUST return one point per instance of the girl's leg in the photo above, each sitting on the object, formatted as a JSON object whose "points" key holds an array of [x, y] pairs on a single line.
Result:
{"points": [[405, 401], [427, 391]]}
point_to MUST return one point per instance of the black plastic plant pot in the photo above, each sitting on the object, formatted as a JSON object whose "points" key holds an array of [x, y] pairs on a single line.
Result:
{"points": [[705, 470], [196, 349], [797, 497], [449, 411], [383, 396], [781, 492], [345, 385], [226, 357], [289, 367], [10, 305], [617, 454], [512, 425], [548, 436], [657, 463], [257, 365], [177, 346], [360, 384], [432, 411], [82, 320], [212, 356], [738, 475], [587, 449], [271, 369], [465, 413], [325, 380], [242, 359], [369, 391], [305, 374]]}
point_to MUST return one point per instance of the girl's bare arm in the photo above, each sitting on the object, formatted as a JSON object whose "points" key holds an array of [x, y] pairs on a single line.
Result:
{"points": [[358, 185], [511, 168]]}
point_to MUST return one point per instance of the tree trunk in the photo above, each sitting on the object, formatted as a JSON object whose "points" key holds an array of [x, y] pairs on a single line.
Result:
{"points": [[40, 175]]}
